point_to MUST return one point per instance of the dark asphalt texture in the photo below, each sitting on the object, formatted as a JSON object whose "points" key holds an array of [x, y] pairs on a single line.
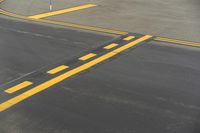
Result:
{"points": [[152, 88]]}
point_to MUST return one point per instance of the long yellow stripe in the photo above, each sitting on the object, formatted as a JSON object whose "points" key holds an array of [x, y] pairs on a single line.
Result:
{"points": [[61, 11], [19, 87], [177, 41], [57, 69], [47, 84], [64, 24]]}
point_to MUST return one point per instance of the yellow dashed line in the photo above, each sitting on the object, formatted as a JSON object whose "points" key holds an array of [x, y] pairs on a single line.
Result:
{"points": [[49, 83], [18, 87], [61, 11], [57, 69], [111, 46], [129, 38], [177, 41], [88, 56]]}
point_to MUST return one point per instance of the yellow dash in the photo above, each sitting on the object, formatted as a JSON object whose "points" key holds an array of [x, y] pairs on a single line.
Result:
{"points": [[58, 79], [177, 41], [88, 56], [128, 38], [18, 87], [111, 46], [61, 11], [57, 69]]}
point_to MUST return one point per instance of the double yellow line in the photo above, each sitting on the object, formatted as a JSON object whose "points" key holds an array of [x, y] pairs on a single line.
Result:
{"points": [[189, 43], [58, 79]]}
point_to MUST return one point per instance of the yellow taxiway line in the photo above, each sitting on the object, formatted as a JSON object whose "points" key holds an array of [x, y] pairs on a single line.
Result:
{"points": [[162, 39], [111, 46], [129, 38], [57, 69], [18, 87], [13, 101], [67, 25], [88, 56], [44, 15]]}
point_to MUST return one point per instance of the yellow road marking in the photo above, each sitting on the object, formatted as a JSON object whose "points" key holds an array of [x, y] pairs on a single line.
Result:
{"points": [[51, 82], [128, 38], [61, 11], [88, 56], [57, 69], [177, 41], [65, 24], [111, 46], [18, 87]]}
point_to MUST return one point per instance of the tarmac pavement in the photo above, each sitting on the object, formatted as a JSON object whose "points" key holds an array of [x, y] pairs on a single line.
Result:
{"points": [[178, 19], [61, 80]]}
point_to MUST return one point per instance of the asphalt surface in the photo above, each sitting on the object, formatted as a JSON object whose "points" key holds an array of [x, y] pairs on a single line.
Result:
{"points": [[179, 19], [151, 88]]}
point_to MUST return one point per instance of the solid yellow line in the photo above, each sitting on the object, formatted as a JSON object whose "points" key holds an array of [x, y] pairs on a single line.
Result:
{"points": [[129, 38], [177, 41], [49, 83], [61, 11], [88, 56], [111, 46], [57, 69], [18, 87], [64, 24]]}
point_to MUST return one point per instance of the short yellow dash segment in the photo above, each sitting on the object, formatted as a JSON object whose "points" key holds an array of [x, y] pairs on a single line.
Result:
{"points": [[39, 16], [129, 38], [57, 69], [58, 79], [88, 56], [111, 46], [177, 41], [18, 87]]}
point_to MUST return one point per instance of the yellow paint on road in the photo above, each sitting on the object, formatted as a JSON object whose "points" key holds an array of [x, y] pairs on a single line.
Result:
{"points": [[44, 15], [56, 80], [57, 69], [111, 46], [177, 41], [88, 56], [65, 24], [18, 87], [129, 38]]}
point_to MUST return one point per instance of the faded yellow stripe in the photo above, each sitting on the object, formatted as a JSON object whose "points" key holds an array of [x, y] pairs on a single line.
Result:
{"points": [[111, 46], [88, 56], [129, 38], [61, 11], [18, 87], [57, 69], [177, 41], [49, 83]]}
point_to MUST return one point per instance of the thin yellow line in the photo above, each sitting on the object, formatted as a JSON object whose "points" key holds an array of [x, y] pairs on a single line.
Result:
{"points": [[129, 38], [49, 83], [43, 15], [88, 56], [111, 46], [18, 87], [57, 69], [72, 25], [177, 41]]}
